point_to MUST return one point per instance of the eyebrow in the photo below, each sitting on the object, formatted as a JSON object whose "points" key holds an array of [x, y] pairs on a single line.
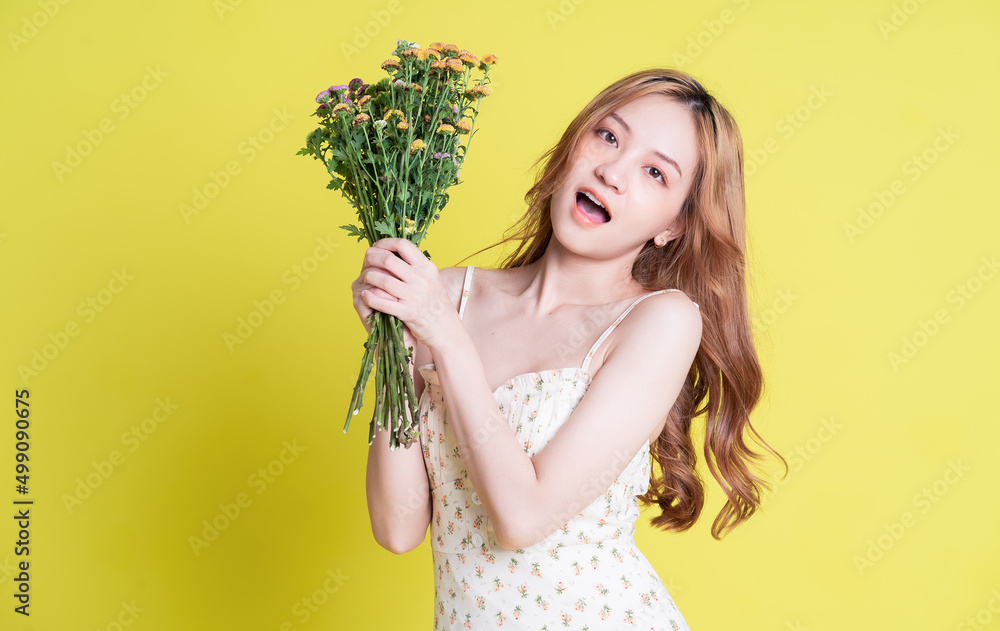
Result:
{"points": [[659, 154]]}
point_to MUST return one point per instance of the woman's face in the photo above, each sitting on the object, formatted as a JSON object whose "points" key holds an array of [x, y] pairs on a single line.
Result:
{"points": [[637, 162]]}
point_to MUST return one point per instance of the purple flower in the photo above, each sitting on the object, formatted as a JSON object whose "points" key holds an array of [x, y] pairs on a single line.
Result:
{"points": [[438, 155], [323, 96], [355, 84]]}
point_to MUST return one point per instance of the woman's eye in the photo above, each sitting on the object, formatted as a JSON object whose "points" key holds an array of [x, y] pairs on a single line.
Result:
{"points": [[657, 174], [607, 136]]}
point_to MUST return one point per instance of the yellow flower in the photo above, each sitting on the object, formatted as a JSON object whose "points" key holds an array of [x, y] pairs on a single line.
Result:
{"points": [[454, 64], [410, 52], [448, 48], [440, 64], [433, 52], [359, 119], [478, 91], [389, 113], [469, 60], [416, 145], [364, 100], [341, 107], [487, 61], [445, 128], [409, 226], [424, 54], [437, 45], [463, 126], [402, 125], [390, 63]]}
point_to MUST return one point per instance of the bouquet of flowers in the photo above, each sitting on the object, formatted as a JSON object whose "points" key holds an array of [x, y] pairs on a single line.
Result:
{"points": [[392, 149]]}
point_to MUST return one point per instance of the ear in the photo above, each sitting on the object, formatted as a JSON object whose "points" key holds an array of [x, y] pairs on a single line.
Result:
{"points": [[673, 231]]}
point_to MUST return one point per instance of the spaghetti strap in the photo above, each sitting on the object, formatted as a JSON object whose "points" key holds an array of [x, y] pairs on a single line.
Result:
{"points": [[607, 332], [465, 290]]}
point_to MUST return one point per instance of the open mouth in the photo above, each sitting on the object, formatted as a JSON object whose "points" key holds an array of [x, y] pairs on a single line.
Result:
{"points": [[592, 208]]}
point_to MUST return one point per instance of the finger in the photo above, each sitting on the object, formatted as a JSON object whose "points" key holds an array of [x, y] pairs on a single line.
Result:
{"points": [[385, 305], [407, 251], [377, 277]]}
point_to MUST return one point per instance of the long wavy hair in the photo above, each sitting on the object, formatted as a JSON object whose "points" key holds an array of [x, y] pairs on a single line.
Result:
{"points": [[707, 262]]}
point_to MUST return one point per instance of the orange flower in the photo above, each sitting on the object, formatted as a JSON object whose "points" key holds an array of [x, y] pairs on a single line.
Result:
{"points": [[454, 64], [478, 91], [469, 60], [417, 145], [390, 63], [488, 60], [463, 126]]}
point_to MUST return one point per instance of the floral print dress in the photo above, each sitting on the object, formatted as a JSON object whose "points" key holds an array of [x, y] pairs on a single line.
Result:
{"points": [[588, 575]]}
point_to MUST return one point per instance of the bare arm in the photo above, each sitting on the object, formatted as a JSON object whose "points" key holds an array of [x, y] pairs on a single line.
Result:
{"points": [[398, 491], [396, 483]]}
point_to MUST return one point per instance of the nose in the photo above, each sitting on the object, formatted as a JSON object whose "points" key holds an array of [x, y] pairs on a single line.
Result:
{"points": [[610, 171]]}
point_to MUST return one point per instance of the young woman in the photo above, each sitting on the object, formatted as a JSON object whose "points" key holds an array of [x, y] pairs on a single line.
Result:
{"points": [[531, 483]]}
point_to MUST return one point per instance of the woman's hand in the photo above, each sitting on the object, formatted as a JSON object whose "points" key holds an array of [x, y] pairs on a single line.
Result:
{"points": [[407, 286]]}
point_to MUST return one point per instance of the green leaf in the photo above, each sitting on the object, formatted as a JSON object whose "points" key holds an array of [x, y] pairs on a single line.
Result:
{"points": [[384, 228], [354, 232]]}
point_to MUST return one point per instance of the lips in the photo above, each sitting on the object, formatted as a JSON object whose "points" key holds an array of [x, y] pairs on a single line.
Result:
{"points": [[592, 206]]}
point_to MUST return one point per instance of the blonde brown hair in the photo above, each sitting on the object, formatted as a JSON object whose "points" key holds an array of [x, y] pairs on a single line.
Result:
{"points": [[708, 263]]}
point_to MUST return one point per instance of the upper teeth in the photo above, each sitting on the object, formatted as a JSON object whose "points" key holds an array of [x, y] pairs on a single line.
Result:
{"points": [[593, 199]]}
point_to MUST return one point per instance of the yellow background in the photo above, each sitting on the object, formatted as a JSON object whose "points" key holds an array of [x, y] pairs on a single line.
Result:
{"points": [[830, 305]]}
